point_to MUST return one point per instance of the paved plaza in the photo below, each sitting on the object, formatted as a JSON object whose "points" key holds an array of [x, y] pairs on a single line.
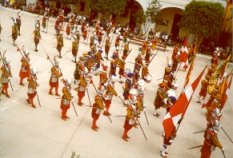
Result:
{"points": [[26, 132]]}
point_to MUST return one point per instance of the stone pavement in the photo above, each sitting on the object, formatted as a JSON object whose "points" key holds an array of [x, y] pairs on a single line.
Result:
{"points": [[40, 133]]}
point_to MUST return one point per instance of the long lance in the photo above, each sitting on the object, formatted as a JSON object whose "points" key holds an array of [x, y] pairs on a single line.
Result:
{"points": [[142, 129], [147, 121], [194, 147], [153, 57], [89, 99], [101, 100], [38, 99], [226, 134], [49, 59], [198, 132], [72, 104], [223, 153], [20, 51], [74, 109]]}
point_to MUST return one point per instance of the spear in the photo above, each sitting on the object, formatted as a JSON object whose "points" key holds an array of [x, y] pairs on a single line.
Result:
{"points": [[74, 109], [226, 134], [141, 129], [147, 121], [38, 99], [194, 147]]}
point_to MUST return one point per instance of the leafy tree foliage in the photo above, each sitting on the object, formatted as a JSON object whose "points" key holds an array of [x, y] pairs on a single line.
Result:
{"points": [[108, 6], [203, 19], [153, 10]]}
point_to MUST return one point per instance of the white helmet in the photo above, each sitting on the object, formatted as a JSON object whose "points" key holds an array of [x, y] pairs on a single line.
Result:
{"points": [[68, 82], [216, 112], [33, 71], [216, 125], [141, 82], [25, 51], [5, 60], [85, 71]]}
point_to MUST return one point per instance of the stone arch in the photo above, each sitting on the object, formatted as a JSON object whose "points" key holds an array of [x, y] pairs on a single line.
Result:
{"points": [[168, 20]]}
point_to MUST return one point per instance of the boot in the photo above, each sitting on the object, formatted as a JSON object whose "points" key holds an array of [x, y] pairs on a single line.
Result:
{"points": [[6, 93], [57, 94], [94, 126], [21, 82], [33, 105], [106, 113], [156, 113], [63, 115], [50, 91], [125, 136]]}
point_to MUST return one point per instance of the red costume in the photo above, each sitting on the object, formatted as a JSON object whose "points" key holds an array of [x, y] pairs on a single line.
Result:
{"points": [[25, 69]]}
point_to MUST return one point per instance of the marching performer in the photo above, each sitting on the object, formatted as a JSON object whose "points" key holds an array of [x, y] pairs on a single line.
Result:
{"points": [[60, 44], [125, 50], [37, 22], [160, 99], [130, 121], [145, 72], [107, 46], [138, 63], [113, 66], [82, 87], [117, 41], [128, 85], [37, 37], [68, 30], [211, 142], [65, 99], [32, 86], [25, 67], [84, 32], [6, 75], [18, 22], [54, 78], [78, 70], [75, 45], [203, 91], [108, 95], [121, 64], [97, 107], [14, 33], [45, 22]]}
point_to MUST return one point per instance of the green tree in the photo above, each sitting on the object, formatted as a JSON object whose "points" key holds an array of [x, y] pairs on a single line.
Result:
{"points": [[150, 16], [108, 6], [203, 19]]}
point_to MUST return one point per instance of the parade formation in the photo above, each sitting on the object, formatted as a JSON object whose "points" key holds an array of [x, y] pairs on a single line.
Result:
{"points": [[111, 76]]}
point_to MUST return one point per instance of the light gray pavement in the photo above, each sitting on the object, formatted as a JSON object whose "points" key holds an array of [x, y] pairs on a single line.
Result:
{"points": [[40, 133]]}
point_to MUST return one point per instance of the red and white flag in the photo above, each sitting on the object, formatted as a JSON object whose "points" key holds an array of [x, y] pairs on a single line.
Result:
{"points": [[226, 93], [177, 111]]}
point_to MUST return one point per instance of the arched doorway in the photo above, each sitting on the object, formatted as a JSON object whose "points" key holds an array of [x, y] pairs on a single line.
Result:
{"points": [[168, 21], [132, 14]]}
